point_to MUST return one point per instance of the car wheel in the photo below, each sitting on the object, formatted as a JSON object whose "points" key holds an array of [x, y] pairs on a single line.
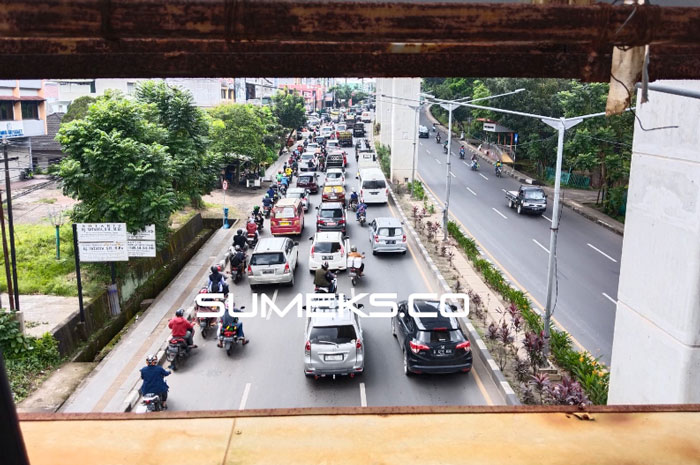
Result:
{"points": [[406, 371], [520, 209], [374, 252], [291, 282], [510, 204], [403, 253]]}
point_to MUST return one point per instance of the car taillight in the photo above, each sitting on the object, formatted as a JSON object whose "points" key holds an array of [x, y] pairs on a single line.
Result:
{"points": [[286, 267], [376, 238], [320, 221], [362, 193], [386, 191], [358, 344], [466, 345], [307, 347], [147, 401], [312, 249], [341, 221], [440, 329], [416, 347]]}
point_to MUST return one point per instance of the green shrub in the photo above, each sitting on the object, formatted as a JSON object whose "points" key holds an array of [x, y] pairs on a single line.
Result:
{"points": [[416, 188], [593, 376]]}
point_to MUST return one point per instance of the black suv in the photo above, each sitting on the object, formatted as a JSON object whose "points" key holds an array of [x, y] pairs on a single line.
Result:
{"points": [[431, 344], [331, 217]]}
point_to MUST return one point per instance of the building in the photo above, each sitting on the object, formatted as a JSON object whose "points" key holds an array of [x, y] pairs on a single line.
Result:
{"points": [[46, 150], [258, 91], [312, 93], [22, 115]]}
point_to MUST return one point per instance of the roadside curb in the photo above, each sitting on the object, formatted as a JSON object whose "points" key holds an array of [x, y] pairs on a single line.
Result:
{"points": [[478, 345], [575, 206]]}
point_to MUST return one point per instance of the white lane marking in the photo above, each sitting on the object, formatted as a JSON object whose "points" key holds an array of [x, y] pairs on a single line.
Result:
{"points": [[465, 163], [244, 399], [452, 174], [543, 247], [601, 252], [471, 191], [505, 191], [483, 176], [274, 299], [428, 151], [438, 161], [609, 298], [504, 216], [548, 219], [363, 395]]}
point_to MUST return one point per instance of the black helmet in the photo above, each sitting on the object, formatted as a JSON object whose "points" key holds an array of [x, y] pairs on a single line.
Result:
{"points": [[325, 265], [239, 232], [179, 312], [214, 269]]}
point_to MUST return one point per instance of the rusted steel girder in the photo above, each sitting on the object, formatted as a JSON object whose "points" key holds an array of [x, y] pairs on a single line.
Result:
{"points": [[142, 38]]}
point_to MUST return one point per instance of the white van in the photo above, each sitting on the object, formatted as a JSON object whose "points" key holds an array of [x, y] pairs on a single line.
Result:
{"points": [[373, 186], [367, 160]]}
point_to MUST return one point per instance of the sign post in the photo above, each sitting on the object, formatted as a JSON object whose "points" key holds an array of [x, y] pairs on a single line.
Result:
{"points": [[225, 187]]}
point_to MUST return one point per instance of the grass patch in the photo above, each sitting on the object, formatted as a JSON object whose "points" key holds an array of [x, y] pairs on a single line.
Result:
{"points": [[46, 200]]}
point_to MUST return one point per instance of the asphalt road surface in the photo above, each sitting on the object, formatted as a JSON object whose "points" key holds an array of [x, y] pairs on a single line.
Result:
{"points": [[588, 255], [268, 372]]}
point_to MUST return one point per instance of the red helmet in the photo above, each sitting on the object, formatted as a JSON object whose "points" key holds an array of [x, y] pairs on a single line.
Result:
{"points": [[203, 290]]}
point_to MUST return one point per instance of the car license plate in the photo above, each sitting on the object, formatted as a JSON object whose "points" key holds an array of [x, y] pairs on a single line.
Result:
{"points": [[374, 193], [331, 223], [443, 351], [333, 358], [268, 271], [285, 223], [391, 242], [327, 257]]}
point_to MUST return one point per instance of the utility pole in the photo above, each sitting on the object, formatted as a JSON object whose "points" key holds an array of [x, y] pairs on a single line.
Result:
{"points": [[10, 223], [415, 150], [8, 275], [446, 210]]}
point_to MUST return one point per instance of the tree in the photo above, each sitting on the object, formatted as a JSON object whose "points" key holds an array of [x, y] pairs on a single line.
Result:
{"points": [[195, 168], [237, 129], [117, 165], [289, 110], [78, 108]]}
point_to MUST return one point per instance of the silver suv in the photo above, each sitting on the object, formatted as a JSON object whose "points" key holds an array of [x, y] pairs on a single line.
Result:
{"points": [[273, 261], [333, 343], [386, 234]]}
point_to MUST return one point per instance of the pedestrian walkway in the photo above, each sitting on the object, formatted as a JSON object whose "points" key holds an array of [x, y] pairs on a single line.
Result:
{"points": [[108, 386]]}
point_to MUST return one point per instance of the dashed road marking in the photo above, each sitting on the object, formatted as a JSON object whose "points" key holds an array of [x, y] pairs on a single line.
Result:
{"points": [[483, 176], [504, 216], [438, 161], [363, 395], [452, 174], [601, 252], [543, 247], [244, 399], [548, 219], [471, 191]]}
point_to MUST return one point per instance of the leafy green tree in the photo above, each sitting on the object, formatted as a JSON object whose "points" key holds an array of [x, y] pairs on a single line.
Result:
{"points": [[117, 165], [289, 110], [78, 108], [195, 168], [237, 129]]}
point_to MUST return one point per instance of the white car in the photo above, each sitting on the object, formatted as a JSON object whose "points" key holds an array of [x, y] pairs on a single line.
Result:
{"points": [[331, 247], [335, 176], [273, 261], [299, 193], [326, 131], [332, 144]]}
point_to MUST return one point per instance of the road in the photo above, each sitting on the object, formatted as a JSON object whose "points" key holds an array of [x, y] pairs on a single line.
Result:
{"points": [[588, 255], [268, 372]]}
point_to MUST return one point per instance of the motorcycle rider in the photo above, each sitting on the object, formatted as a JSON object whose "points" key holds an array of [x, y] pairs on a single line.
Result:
{"points": [[499, 166], [182, 328], [324, 278], [461, 153], [355, 254], [288, 172], [238, 259], [267, 201], [217, 281], [474, 162], [361, 209], [153, 376], [279, 177], [227, 321], [354, 198], [239, 240], [252, 228], [270, 193], [437, 137]]}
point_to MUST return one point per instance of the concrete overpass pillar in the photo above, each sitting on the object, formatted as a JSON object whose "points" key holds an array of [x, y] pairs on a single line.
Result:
{"points": [[387, 110], [403, 127], [656, 349]]}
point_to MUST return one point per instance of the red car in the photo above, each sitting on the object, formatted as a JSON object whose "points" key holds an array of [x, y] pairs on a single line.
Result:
{"points": [[308, 180], [287, 217]]}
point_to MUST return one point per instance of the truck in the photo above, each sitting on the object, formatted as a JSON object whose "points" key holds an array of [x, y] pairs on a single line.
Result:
{"points": [[358, 130], [345, 138], [527, 199]]}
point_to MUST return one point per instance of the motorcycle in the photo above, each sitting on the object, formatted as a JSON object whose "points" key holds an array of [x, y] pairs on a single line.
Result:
{"points": [[204, 323], [362, 218], [237, 273], [461, 154], [353, 205], [230, 337], [251, 239], [176, 352], [152, 402], [498, 171], [260, 222], [444, 148], [266, 211], [354, 265], [475, 165], [437, 138], [332, 289]]}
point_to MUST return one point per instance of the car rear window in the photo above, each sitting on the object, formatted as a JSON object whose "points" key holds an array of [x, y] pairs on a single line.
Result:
{"points": [[331, 213], [336, 334], [267, 258], [285, 212], [390, 232], [440, 336], [327, 247], [305, 179], [374, 184]]}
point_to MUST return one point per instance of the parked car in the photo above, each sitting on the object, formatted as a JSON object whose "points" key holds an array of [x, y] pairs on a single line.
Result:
{"points": [[308, 181], [331, 217], [423, 132], [333, 193], [334, 343], [329, 247], [528, 199], [287, 217], [431, 344], [335, 176], [273, 261], [386, 234], [300, 193]]}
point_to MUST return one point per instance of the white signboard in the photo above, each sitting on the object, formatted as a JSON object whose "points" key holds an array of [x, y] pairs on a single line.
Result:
{"points": [[490, 127], [103, 251], [146, 234], [101, 232], [141, 248], [11, 129]]}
